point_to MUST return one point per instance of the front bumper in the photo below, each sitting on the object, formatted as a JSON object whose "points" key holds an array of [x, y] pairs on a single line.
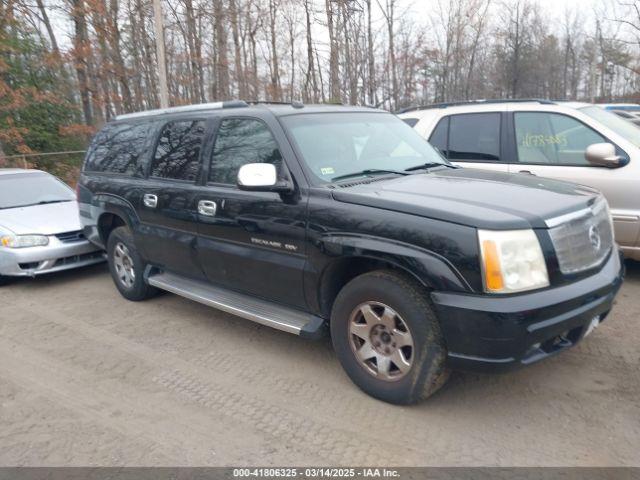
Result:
{"points": [[491, 333], [55, 257]]}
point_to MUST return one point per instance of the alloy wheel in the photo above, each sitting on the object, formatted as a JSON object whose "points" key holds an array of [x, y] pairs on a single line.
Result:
{"points": [[123, 264], [381, 341]]}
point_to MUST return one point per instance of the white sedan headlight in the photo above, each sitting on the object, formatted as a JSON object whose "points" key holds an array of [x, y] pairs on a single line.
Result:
{"points": [[512, 261], [23, 241]]}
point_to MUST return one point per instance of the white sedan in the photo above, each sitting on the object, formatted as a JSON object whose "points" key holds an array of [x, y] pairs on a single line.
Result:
{"points": [[40, 229]]}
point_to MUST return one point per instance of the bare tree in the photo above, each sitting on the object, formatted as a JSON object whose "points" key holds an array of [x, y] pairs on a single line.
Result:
{"points": [[371, 77], [81, 52], [334, 56], [355, 51], [388, 11], [310, 83], [222, 63], [237, 48]]}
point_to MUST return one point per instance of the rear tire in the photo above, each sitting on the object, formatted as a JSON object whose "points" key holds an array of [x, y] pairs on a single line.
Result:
{"points": [[388, 339], [127, 267]]}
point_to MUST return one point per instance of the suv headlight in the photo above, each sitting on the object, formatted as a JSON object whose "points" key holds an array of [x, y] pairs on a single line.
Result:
{"points": [[23, 241], [512, 261]]}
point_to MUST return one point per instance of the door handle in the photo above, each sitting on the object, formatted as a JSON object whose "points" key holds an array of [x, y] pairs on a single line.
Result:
{"points": [[207, 208], [150, 200], [528, 172]]}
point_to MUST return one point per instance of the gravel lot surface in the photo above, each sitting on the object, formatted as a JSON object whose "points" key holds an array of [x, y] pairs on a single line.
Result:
{"points": [[87, 378]]}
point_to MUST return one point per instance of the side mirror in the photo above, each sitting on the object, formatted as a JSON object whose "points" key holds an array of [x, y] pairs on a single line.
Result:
{"points": [[602, 155], [261, 177]]}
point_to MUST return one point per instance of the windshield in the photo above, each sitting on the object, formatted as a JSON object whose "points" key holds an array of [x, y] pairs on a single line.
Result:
{"points": [[338, 144], [25, 189], [622, 127]]}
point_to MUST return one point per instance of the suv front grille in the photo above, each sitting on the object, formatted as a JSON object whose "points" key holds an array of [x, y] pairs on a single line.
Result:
{"points": [[584, 242]]}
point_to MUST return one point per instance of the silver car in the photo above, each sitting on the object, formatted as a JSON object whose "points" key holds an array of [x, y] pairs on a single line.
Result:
{"points": [[575, 142], [39, 226]]}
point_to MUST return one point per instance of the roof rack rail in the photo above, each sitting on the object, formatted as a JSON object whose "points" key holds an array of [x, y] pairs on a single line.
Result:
{"points": [[185, 108], [541, 101], [267, 102], [293, 103]]}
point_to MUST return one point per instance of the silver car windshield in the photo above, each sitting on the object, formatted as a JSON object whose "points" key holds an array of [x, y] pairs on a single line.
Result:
{"points": [[338, 144], [622, 127], [27, 189]]}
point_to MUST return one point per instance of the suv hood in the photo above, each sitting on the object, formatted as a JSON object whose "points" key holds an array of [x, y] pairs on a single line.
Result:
{"points": [[47, 219], [477, 198]]}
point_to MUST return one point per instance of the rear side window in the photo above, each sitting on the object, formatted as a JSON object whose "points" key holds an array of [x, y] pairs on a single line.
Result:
{"points": [[119, 149], [411, 121], [439, 136], [240, 141], [177, 155], [474, 137]]}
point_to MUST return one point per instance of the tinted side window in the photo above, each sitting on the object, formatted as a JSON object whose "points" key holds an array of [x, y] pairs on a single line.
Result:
{"points": [[553, 138], [439, 136], [177, 155], [240, 141], [411, 121], [475, 137], [119, 148]]}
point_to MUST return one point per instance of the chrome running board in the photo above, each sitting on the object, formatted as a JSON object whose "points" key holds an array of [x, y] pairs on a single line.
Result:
{"points": [[245, 306]]}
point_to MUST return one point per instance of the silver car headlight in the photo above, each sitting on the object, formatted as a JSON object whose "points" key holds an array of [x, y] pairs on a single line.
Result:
{"points": [[23, 241], [512, 261]]}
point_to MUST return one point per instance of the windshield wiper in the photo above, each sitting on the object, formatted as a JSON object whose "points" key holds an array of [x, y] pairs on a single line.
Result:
{"points": [[43, 202], [424, 166], [369, 171]]}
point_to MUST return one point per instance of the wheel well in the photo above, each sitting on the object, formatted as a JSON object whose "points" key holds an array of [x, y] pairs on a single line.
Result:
{"points": [[341, 272], [107, 223]]}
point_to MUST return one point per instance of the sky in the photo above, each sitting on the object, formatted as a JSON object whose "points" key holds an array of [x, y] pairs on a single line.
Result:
{"points": [[553, 10], [554, 7], [559, 6]]}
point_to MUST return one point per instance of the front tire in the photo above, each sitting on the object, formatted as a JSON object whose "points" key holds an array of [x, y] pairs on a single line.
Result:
{"points": [[388, 339], [4, 280], [127, 267]]}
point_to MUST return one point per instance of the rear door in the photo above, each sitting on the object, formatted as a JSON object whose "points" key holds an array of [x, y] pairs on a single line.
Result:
{"points": [[252, 242], [115, 170], [473, 140], [167, 206]]}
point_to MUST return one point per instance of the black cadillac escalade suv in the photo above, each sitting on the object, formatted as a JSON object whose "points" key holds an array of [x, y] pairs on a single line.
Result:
{"points": [[307, 217]]}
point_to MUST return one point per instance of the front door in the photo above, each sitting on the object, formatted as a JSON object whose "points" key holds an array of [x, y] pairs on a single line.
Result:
{"points": [[168, 205], [252, 242], [553, 145]]}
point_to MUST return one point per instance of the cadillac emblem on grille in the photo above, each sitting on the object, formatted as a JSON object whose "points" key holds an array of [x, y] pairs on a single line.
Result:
{"points": [[594, 237], [584, 241]]}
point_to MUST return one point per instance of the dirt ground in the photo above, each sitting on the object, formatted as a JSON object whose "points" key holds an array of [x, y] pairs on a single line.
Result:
{"points": [[87, 378]]}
